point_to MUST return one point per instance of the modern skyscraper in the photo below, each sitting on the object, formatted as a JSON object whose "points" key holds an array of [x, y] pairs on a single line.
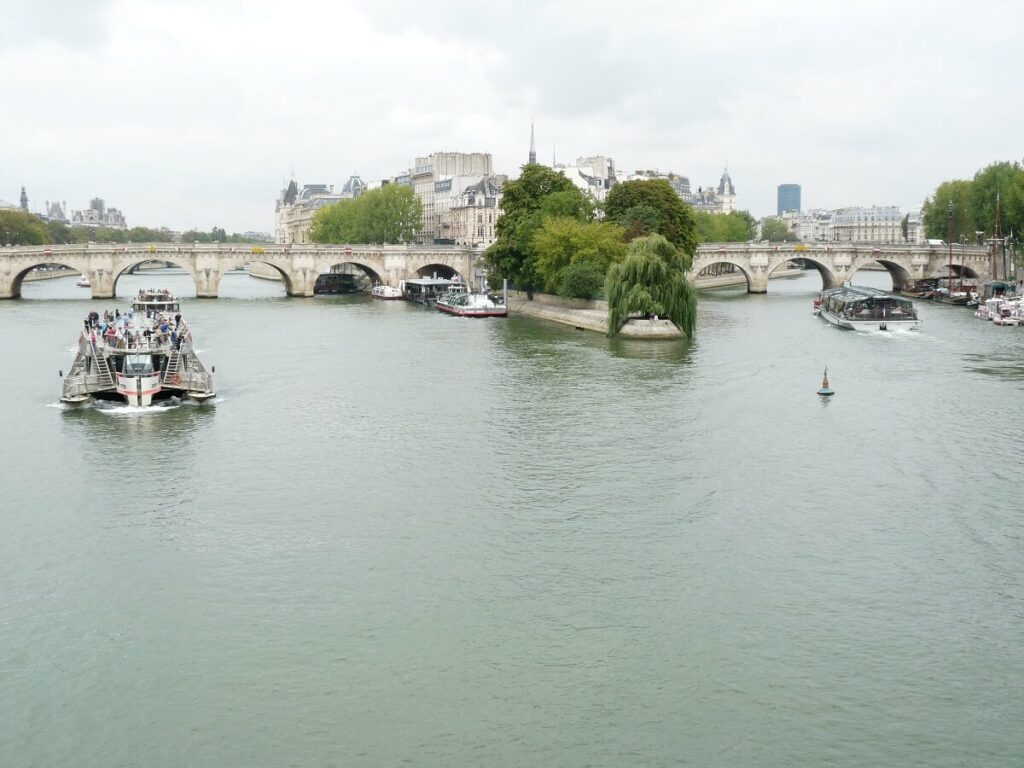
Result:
{"points": [[788, 198]]}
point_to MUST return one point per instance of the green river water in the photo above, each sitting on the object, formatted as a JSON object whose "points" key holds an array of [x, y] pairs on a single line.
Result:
{"points": [[399, 537]]}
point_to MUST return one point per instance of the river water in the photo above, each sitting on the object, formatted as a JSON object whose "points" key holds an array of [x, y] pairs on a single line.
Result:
{"points": [[400, 537]]}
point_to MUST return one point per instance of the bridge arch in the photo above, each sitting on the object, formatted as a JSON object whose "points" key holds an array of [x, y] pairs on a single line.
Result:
{"points": [[443, 271], [18, 279], [124, 266], [282, 271], [368, 270], [958, 270], [899, 273], [709, 269], [828, 277]]}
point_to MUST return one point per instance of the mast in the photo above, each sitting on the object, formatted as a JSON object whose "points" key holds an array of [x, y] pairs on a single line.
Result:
{"points": [[949, 242]]}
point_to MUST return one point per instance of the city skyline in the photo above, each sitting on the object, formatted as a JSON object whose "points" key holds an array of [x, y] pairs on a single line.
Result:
{"points": [[192, 116]]}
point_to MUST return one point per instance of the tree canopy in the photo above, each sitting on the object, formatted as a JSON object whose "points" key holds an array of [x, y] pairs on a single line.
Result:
{"points": [[732, 227], [538, 194], [777, 231], [562, 241], [974, 204], [20, 228], [390, 214], [649, 206], [651, 280]]}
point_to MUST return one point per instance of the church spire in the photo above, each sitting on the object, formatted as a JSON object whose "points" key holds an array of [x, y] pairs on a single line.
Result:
{"points": [[24, 200], [533, 146]]}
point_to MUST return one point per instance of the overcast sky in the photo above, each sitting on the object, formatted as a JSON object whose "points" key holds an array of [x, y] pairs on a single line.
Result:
{"points": [[191, 113]]}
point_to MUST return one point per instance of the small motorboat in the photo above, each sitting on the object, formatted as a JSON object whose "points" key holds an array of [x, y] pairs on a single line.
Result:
{"points": [[83, 282]]}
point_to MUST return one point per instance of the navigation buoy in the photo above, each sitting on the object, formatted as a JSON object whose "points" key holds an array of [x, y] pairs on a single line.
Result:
{"points": [[826, 390]]}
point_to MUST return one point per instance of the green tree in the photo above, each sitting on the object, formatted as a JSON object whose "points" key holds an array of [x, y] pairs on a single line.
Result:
{"points": [[732, 227], [20, 228], [777, 231], [336, 224], [674, 217], [59, 233], [563, 240], [1004, 181], [390, 214], [905, 227], [581, 280], [651, 280], [523, 212], [393, 214], [936, 211]]}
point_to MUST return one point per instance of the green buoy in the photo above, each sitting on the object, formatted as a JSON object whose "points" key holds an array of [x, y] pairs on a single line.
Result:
{"points": [[826, 390]]}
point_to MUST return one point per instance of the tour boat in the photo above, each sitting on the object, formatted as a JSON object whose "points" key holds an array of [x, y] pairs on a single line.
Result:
{"points": [[866, 309], [83, 282], [387, 292], [472, 305], [155, 300], [138, 358]]}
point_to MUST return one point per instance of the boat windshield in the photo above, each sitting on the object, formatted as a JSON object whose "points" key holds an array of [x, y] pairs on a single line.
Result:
{"points": [[138, 365]]}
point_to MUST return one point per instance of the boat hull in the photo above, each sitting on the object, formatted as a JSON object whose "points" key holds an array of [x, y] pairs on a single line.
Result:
{"points": [[473, 311], [138, 390]]}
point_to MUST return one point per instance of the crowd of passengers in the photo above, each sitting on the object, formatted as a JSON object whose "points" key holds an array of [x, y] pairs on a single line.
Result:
{"points": [[126, 330]]}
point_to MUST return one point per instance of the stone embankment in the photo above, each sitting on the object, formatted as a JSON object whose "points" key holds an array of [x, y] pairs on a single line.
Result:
{"points": [[586, 315], [592, 315]]}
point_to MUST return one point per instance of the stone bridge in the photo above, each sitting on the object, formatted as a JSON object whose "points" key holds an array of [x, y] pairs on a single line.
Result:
{"points": [[837, 262], [298, 265]]}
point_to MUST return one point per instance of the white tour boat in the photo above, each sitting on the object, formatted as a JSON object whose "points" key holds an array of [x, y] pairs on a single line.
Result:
{"points": [[83, 282], [865, 309], [465, 304], [139, 357], [387, 292]]}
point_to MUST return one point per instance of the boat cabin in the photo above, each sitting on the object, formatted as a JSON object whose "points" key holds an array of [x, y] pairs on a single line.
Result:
{"points": [[867, 304]]}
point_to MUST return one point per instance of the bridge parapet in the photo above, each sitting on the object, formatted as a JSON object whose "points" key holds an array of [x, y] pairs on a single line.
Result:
{"points": [[298, 264]]}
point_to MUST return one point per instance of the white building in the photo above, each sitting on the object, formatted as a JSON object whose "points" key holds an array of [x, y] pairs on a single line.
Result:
{"points": [[594, 176], [877, 224]]}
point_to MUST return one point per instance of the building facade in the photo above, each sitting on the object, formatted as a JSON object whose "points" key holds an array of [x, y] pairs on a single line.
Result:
{"points": [[441, 177], [877, 224], [295, 208], [473, 220], [788, 199], [98, 215]]}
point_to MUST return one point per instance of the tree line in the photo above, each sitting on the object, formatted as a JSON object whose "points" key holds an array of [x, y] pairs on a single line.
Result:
{"points": [[21, 228], [970, 205]]}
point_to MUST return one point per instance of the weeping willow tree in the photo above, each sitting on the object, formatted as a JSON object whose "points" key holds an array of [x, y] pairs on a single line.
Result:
{"points": [[651, 280]]}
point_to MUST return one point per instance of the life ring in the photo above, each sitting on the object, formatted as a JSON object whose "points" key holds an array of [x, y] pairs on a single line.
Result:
{"points": [[174, 379]]}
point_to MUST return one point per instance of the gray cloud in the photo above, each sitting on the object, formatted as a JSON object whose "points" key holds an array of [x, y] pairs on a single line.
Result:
{"points": [[192, 113]]}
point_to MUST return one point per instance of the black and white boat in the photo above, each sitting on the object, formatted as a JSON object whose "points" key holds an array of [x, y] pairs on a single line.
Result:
{"points": [[866, 309]]}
